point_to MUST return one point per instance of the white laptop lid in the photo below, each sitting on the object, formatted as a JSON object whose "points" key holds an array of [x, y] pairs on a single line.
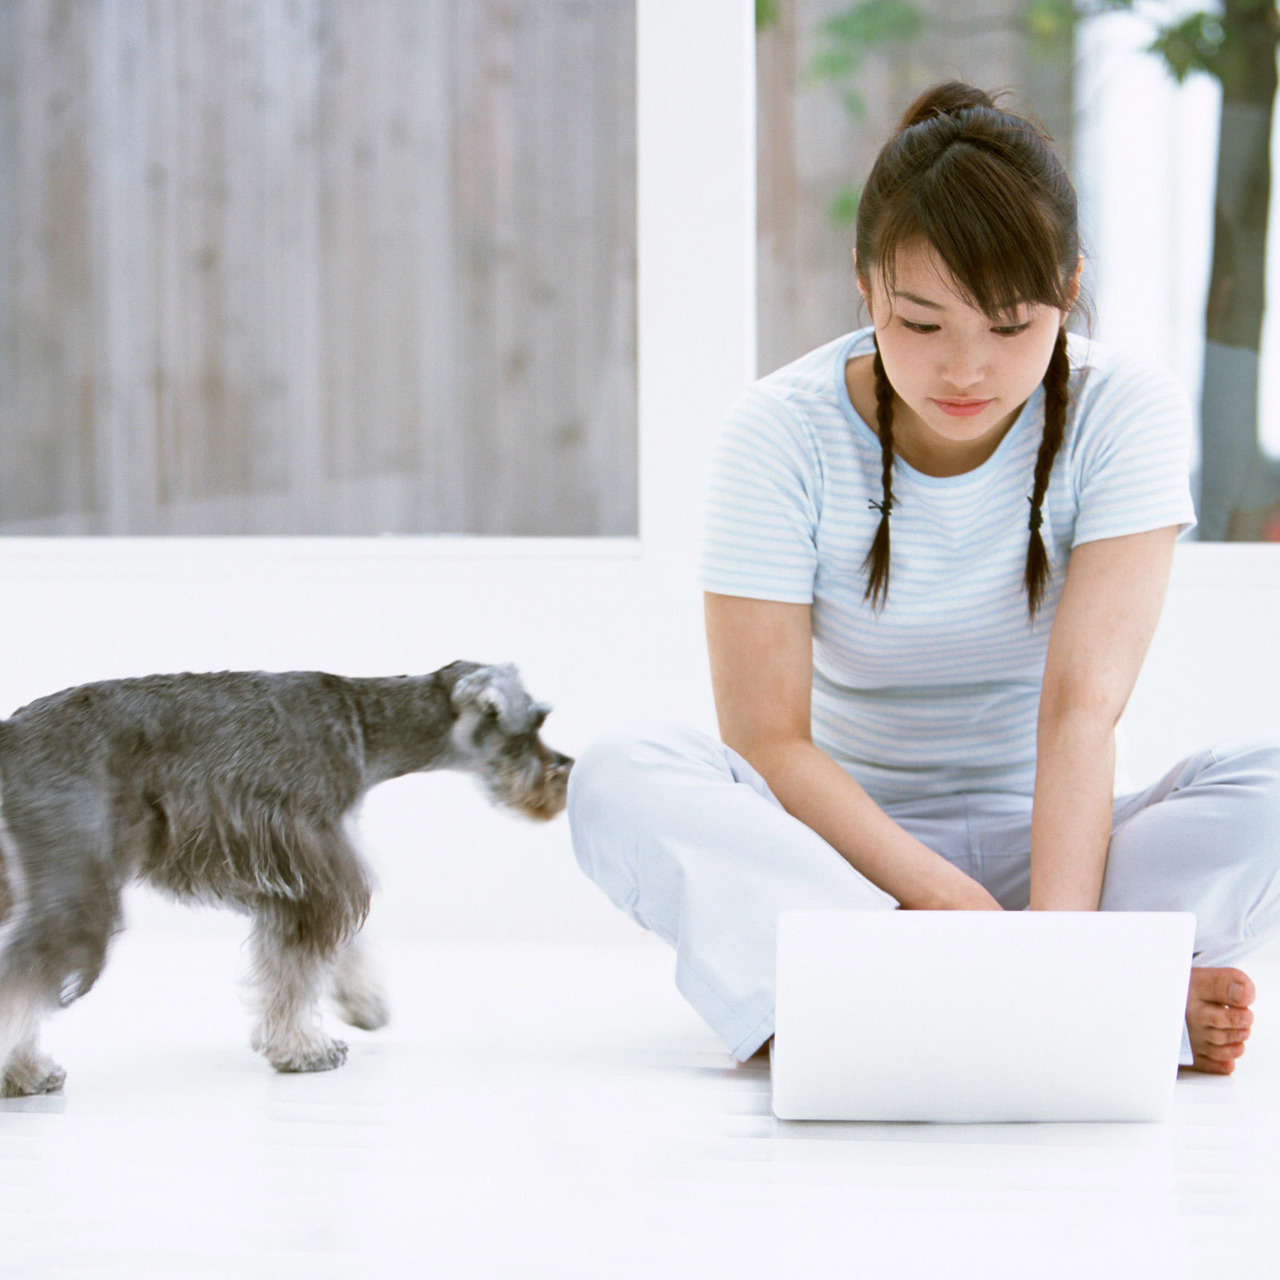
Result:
{"points": [[979, 1015]]}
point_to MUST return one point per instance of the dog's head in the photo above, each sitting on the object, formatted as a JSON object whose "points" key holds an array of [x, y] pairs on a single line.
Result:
{"points": [[496, 737]]}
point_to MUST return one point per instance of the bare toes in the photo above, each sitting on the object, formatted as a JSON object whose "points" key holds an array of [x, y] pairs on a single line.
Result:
{"points": [[1223, 986], [1214, 1067], [1223, 1017], [1226, 1035]]}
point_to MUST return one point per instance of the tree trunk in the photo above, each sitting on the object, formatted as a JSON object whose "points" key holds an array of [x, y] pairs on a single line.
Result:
{"points": [[1239, 489]]}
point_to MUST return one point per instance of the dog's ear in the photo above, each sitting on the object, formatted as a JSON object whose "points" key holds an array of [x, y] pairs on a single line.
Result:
{"points": [[498, 689]]}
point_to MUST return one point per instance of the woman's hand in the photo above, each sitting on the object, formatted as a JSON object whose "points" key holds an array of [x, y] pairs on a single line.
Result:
{"points": [[967, 895]]}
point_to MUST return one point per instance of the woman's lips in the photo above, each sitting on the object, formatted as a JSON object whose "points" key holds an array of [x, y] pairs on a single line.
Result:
{"points": [[962, 408]]}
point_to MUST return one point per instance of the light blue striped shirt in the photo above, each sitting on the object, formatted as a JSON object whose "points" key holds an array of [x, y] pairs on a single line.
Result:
{"points": [[939, 692]]}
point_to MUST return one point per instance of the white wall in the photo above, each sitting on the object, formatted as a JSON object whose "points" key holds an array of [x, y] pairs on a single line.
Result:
{"points": [[605, 630], [1213, 671]]}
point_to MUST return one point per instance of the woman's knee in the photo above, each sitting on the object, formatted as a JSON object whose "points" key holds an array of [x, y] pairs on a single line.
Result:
{"points": [[1245, 814], [1257, 766], [1257, 758], [1251, 770], [614, 772], [614, 793], [1212, 835]]}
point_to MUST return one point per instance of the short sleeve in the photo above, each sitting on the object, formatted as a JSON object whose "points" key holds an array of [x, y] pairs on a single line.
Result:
{"points": [[1132, 461], [762, 507]]}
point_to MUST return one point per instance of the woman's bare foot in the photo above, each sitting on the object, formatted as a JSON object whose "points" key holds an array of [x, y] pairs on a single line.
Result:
{"points": [[1219, 1017]]}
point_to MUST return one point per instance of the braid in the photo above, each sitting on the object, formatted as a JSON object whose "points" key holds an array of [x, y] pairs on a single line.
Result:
{"points": [[1056, 391], [878, 557]]}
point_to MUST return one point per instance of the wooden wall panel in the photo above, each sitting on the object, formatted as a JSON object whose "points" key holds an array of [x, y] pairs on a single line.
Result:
{"points": [[317, 266]]}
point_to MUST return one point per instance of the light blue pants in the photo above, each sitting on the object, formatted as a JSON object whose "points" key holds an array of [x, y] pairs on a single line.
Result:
{"points": [[686, 837]]}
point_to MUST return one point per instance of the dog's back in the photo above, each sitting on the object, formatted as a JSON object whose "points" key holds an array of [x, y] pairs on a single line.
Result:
{"points": [[225, 787], [244, 728]]}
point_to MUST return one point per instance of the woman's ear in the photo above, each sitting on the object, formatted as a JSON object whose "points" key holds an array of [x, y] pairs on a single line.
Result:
{"points": [[1073, 285], [862, 288]]}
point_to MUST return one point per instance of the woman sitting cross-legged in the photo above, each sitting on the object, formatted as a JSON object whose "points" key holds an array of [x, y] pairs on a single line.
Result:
{"points": [[937, 549]]}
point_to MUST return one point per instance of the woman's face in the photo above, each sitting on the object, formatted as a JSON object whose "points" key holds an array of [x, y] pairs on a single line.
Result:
{"points": [[962, 376]]}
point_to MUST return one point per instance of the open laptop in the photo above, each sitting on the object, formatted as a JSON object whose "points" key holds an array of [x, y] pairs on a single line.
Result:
{"points": [[979, 1015]]}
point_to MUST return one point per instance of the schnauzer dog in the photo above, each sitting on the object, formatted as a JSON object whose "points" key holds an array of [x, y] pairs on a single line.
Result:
{"points": [[233, 788]]}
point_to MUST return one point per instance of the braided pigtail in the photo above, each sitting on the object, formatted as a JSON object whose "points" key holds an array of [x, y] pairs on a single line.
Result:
{"points": [[878, 557], [1056, 391]]}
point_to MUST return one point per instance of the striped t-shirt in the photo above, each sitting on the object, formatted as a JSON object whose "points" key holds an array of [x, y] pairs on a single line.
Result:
{"points": [[939, 692]]}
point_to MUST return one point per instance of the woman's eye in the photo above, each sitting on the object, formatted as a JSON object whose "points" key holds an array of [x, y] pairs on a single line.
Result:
{"points": [[1004, 330]]}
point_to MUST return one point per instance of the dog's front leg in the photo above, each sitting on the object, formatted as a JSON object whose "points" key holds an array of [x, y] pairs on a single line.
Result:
{"points": [[356, 989], [28, 1071], [24, 1070], [289, 971]]}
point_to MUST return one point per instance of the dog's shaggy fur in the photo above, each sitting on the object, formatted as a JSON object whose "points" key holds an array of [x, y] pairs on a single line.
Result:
{"points": [[233, 788]]}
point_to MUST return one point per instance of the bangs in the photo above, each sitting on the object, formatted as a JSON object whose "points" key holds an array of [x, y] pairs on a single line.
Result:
{"points": [[1001, 248]]}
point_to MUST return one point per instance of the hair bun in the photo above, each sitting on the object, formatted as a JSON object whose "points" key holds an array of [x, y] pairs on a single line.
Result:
{"points": [[944, 99]]}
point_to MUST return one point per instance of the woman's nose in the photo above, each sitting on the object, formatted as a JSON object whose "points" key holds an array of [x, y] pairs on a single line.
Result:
{"points": [[963, 367]]}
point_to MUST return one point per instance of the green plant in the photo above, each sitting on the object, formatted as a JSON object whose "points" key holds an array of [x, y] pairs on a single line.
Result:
{"points": [[766, 14]]}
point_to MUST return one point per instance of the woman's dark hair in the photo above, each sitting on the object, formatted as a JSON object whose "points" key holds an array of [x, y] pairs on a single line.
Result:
{"points": [[985, 190]]}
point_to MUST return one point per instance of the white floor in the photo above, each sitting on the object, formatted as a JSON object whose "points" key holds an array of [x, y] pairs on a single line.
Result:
{"points": [[557, 1111]]}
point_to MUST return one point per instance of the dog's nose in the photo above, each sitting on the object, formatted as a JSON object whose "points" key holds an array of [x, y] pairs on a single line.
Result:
{"points": [[564, 763]]}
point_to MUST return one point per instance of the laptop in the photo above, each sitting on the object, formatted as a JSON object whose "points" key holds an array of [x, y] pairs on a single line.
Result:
{"points": [[979, 1015]]}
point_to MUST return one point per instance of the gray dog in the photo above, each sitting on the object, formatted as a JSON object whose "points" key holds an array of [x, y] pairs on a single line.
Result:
{"points": [[233, 788]]}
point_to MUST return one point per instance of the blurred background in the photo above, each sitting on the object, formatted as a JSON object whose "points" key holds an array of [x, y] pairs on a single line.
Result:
{"points": [[369, 266]]}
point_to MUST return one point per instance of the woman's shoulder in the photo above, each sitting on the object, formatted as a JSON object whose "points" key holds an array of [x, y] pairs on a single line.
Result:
{"points": [[816, 377], [1116, 391], [806, 398], [1113, 371], [1129, 443]]}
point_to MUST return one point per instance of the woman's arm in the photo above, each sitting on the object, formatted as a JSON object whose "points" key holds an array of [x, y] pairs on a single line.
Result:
{"points": [[1110, 605], [762, 673]]}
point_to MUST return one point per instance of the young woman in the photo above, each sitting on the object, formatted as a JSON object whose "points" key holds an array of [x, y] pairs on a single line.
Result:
{"points": [[936, 552]]}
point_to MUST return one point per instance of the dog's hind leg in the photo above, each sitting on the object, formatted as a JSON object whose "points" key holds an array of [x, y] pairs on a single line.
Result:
{"points": [[356, 990], [289, 970], [61, 909]]}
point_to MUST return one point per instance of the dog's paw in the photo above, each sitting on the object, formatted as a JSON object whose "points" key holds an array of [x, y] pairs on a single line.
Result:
{"points": [[326, 1055], [38, 1075], [365, 1008]]}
